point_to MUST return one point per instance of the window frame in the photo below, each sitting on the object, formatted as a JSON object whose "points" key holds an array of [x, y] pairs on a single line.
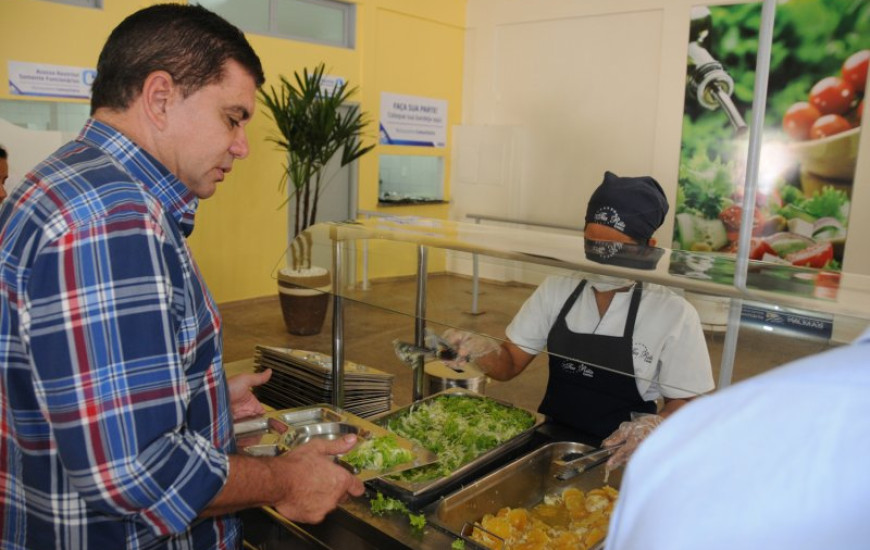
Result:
{"points": [[348, 9], [348, 32], [93, 4]]}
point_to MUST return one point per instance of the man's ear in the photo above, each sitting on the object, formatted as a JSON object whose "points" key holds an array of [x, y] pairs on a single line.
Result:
{"points": [[652, 241], [157, 92]]}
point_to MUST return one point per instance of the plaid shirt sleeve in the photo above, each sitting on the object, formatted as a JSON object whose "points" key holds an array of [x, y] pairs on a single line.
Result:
{"points": [[113, 343]]}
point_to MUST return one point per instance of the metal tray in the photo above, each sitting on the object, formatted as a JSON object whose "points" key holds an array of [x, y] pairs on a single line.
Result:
{"points": [[277, 432], [420, 493], [522, 483]]}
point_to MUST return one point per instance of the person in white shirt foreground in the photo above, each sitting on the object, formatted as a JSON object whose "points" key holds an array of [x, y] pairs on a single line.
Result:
{"points": [[777, 462]]}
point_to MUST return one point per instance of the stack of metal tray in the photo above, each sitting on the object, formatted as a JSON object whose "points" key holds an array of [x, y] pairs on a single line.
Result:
{"points": [[302, 378], [419, 493]]}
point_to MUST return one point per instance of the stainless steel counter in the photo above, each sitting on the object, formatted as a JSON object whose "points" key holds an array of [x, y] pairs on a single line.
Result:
{"points": [[353, 525]]}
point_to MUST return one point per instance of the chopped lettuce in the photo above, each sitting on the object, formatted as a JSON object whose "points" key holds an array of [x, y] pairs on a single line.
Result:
{"points": [[789, 194], [705, 186], [378, 453], [418, 521], [381, 505], [458, 429], [827, 203], [830, 202]]}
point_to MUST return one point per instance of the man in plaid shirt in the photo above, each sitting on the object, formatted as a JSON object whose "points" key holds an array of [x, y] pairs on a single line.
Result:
{"points": [[116, 420]]}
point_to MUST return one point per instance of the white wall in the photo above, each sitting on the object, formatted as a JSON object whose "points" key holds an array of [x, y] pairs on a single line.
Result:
{"points": [[27, 148], [558, 91]]}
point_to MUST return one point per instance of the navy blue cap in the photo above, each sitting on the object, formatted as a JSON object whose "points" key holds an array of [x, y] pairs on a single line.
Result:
{"points": [[633, 206]]}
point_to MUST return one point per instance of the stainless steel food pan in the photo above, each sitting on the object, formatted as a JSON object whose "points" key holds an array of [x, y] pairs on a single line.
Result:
{"points": [[276, 432], [521, 484], [422, 492]]}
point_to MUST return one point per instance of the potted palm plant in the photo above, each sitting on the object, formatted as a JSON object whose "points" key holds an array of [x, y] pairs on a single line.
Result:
{"points": [[314, 125]]}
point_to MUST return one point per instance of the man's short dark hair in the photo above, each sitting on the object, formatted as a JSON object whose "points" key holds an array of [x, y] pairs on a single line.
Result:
{"points": [[189, 42], [3, 153]]}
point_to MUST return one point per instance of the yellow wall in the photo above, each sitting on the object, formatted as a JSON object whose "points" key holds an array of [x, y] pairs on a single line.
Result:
{"points": [[410, 47], [403, 61]]}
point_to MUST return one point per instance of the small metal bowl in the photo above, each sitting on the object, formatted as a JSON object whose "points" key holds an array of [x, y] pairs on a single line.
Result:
{"points": [[264, 450], [325, 430]]}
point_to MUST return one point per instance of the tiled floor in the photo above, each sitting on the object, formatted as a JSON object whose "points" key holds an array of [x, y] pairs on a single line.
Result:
{"points": [[370, 330]]}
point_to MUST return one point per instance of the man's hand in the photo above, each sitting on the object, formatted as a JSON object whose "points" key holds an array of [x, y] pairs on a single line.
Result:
{"points": [[243, 403], [313, 483]]}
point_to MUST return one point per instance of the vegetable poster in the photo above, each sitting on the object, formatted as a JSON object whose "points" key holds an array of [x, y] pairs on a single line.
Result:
{"points": [[812, 125]]}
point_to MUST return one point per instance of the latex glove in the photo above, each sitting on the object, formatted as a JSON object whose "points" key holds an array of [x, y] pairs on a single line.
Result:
{"points": [[469, 346], [243, 402], [629, 435]]}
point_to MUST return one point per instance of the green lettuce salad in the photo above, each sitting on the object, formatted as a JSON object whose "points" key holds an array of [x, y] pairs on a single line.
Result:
{"points": [[378, 453], [458, 430], [381, 505]]}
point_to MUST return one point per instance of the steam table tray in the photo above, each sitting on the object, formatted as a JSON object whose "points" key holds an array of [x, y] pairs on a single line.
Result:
{"points": [[277, 432]]}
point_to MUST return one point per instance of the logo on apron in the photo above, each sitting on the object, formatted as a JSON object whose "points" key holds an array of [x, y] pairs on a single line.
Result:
{"points": [[642, 352], [569, 367]]}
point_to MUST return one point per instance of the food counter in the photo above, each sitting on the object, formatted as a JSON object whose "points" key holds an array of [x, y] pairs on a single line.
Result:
{"points": [[353, 525], [793, 303]]}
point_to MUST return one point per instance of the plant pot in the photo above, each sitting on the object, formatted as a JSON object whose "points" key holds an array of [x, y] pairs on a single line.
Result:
{"points": [[304, 298]]}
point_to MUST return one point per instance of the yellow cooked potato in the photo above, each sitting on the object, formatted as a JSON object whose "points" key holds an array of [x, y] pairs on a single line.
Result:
{"points": [[518, 518], [500, 527], [574, 499], [593, 537], [567, 541], [572, 520], [596, 503]]}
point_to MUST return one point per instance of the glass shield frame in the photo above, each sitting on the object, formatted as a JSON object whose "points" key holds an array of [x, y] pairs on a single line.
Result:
{"points": [[784, 312]]}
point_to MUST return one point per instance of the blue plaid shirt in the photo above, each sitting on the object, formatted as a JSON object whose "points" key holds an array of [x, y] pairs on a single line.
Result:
{"points": [[115, 424]]}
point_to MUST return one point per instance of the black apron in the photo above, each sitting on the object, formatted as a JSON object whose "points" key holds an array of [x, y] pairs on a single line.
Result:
{"points": [[583, 396]]}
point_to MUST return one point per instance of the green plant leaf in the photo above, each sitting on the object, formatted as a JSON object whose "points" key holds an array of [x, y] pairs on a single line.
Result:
{"points": [[312, 126]]}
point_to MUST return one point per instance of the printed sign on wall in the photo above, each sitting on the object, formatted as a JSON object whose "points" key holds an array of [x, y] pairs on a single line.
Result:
{"points": [[329, 83], [812, 127], [39, 79], [412, 120]]}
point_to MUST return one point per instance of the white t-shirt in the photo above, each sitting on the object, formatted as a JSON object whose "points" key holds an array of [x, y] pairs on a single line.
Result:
{"points": [[779, 461], [670, 353]]}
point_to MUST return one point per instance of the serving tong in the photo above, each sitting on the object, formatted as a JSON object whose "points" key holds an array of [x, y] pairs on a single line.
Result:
{"points": [[573, 464], [435, 346], [468, 529]]}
